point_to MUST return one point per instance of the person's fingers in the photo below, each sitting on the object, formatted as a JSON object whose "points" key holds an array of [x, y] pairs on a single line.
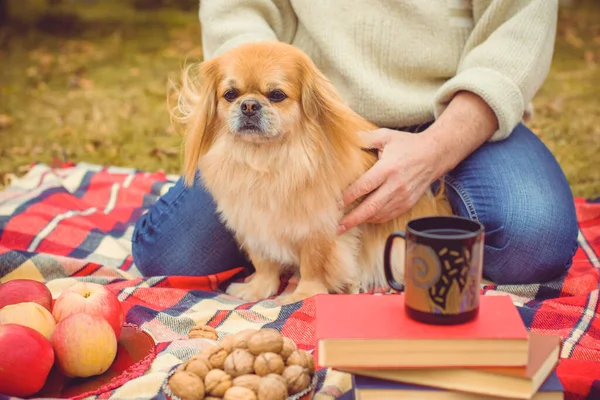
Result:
{"points": [[367, 183], [368, 207], [402, 200], [392, 209], [375, 139]]}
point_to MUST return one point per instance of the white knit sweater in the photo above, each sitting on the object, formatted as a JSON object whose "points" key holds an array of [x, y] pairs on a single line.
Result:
{"points": [[399, 62]]}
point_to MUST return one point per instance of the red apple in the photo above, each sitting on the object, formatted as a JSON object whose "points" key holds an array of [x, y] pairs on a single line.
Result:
{"points": [[85, 345], [90, 298], [27, 358], [25, 290]]}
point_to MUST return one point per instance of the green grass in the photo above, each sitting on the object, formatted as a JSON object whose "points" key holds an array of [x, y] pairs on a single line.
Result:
{"points": [[93, 87]]}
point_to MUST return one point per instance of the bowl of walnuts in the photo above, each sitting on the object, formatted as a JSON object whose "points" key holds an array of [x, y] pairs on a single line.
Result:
{"points": [[254, 364]]}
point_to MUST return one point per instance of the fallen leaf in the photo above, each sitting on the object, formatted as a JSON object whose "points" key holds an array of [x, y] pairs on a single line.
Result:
{"points": [[171, 130], [65, 131], [19, 151], [46, 59], [113, 151], [5, 121], [155, 153], [573, 39], [92, 145], [556, 105], [160, 153], [77, 82], [8, 178], [126, 110], [90, 148], [32, 72], [589, 58]]}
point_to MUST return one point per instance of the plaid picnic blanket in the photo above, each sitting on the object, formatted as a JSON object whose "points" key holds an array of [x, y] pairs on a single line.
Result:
{"points": [[74, 222]]}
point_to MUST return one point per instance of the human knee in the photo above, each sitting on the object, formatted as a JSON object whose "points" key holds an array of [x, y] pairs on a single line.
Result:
{"points": [[145, 252], [181, 234], [530, 245]]}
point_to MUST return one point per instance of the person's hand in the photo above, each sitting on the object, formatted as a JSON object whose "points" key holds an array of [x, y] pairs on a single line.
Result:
{"points": [[406, 168]]}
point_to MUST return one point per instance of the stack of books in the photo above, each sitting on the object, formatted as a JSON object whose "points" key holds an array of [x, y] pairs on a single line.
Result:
{"points": [[391, 356]]}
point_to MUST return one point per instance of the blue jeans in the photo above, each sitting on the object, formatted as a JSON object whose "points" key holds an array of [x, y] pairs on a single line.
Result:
{"points": [[514, 187]]}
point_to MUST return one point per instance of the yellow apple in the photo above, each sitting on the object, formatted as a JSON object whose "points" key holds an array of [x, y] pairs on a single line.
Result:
{"points": [[84, 344], [29, 314], [91, 298]]}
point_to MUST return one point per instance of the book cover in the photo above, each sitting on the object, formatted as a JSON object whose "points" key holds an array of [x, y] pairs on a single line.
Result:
{"points": [[373, 331], [367, 388], [514, 382]]}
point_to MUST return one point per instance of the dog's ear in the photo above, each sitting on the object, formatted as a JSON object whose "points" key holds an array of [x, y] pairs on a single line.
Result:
{"points": [[320, 101], [326, 111], [197, 107]]}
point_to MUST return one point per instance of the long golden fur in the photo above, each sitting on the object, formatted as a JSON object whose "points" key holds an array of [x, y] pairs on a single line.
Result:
{"points": [[276, 167]]}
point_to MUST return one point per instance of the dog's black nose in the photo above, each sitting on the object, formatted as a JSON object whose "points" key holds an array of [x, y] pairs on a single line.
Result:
{"points": [[250, 107]]}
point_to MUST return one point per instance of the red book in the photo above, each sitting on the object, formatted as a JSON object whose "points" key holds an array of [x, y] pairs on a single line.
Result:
{"points": [[373, 331]]}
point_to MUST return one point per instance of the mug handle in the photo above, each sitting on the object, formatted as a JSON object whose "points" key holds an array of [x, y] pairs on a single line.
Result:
{"points": [[387, 264]]}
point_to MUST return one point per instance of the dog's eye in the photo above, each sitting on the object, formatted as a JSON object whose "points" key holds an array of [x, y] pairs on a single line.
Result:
{"points": [[231, 95], [277, 95]]}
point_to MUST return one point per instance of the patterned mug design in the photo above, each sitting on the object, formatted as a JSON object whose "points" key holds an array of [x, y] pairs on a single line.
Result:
{"points": [[442, 281], [443, 267], [423, 270]]}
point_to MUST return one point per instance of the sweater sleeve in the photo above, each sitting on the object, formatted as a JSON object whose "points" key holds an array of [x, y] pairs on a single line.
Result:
{"points": [[229, 23], [506, 58]]}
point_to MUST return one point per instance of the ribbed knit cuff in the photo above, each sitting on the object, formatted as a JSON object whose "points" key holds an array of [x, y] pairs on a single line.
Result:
{"points": [[242, 39], [499, 92]]}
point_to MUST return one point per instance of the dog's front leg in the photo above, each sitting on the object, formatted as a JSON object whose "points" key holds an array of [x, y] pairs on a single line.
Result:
{"points": [[263, 283], [326, 265]]}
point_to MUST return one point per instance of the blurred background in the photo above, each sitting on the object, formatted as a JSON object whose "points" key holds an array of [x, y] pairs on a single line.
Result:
{"points": [[86, 81]]}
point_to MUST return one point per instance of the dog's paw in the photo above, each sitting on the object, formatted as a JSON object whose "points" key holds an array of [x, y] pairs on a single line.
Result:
{"points": [[353, 288], [251, 291], [292, 298]]}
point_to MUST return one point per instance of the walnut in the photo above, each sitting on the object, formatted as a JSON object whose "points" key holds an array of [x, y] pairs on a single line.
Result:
{"points": [[241, 338], [186, 385], [302, 358], [216, 382], [272, 387], [203, 331], [227, 342], [288, 347], [215, 355], [197, 364], [297, 378], [249, 381], [265, 340], [267, 363], [239, 362], [239, 393]]}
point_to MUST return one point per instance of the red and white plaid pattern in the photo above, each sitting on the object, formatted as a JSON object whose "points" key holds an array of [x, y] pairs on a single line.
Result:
{"points": [[74, 223]]}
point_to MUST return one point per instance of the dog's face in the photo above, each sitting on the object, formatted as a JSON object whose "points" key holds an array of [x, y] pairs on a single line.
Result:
{"points": [[258, 97], [256, 94]]}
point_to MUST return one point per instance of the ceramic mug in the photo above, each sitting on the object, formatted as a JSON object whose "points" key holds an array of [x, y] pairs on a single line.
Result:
{"points": [[442, 269]]}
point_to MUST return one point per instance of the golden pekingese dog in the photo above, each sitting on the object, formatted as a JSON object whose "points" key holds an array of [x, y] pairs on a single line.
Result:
{"points": [[275, 145]]}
